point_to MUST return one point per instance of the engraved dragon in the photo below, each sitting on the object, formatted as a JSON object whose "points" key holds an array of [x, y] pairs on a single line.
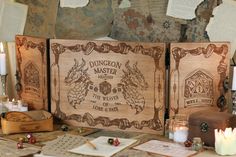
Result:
{"points": [[78, 78], [132, 81]]}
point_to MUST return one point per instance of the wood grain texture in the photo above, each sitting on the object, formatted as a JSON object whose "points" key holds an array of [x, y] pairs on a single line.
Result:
{"points": [[111, 85], [31, 61], [31, 121], [197, 74]]}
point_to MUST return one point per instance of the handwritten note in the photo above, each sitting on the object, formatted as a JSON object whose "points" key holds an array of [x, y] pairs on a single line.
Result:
{"points": [[165, 148], [102, 147]]}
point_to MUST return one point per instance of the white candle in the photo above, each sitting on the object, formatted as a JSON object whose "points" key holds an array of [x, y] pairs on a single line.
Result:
{"points": [[15, 108], [14, 105], [180, 134], [234, 79], [9, 105], [225, 141], [20, 103], [3, 70], [1, 48], [24, 108]]}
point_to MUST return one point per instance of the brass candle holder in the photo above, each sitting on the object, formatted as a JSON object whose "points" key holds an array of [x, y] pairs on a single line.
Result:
{"points": [[233, 92], [4, 82], [3, 96]]}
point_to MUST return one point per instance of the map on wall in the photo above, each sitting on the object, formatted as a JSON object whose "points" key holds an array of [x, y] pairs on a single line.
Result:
{"points": [[197, 75], [106, 84]]}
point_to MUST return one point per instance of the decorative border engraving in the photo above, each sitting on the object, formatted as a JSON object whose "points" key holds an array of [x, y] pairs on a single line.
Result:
{"points": [[84, 84], [32, 80], [22, 41], [179, 53]]}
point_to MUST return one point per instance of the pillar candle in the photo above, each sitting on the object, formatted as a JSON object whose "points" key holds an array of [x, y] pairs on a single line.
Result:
{"points": [[9, 105], [1, 48], [225, 141], [3, 70], [22, 106]]}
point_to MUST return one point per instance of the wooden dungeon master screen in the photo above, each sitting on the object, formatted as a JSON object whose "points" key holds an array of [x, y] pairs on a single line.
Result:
{"points": [[197, 75], [31, 54], [108, 84]]}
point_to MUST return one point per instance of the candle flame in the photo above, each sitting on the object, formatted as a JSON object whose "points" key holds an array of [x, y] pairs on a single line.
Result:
{"points": [[1, 47], [228, 132], [225, 141]]}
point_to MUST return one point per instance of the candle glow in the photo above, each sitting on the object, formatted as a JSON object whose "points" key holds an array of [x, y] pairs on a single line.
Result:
{"points": [[225, 141], [180, 134], [16, 106]]}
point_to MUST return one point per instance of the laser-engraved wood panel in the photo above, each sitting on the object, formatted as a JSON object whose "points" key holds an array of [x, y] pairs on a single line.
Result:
{"points": [[197, 74], [31, 57], [111, 85]]}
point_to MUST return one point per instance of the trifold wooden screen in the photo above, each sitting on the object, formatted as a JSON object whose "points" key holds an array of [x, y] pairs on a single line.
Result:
{"points": [[197, 75], [104, 84], [31, 60], [121, 85]]}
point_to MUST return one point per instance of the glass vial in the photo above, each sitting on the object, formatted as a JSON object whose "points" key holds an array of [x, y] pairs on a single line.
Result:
{"points": [[197, 144]]}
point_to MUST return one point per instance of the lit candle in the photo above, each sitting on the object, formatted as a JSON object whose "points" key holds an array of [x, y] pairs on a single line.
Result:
{"points": [[9, 105], [14, 105], [2, 61], [225, 141], [180, 134], [20, 103]]}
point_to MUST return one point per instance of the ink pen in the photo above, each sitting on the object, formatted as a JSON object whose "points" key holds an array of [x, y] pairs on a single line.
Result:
{"points": [[91, 144]]}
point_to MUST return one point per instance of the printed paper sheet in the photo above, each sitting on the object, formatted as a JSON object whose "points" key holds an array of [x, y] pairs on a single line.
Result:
{"points": [[184, 9], [222, 26], [12, 19], [60, 146]]}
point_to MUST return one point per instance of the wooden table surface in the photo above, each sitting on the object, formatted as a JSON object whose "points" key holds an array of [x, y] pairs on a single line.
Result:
{"points": [[93, 133]]}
